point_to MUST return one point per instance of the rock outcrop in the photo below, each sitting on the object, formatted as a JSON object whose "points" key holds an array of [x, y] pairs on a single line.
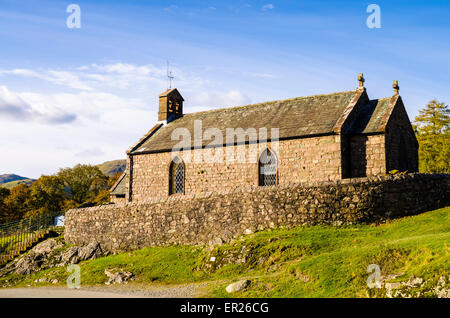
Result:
{"points": [[118, 276], [416, 287], [51, 253]]}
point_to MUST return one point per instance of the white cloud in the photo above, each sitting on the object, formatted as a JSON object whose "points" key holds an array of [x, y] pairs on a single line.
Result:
{"points": [[267, 7], [13, 106], [67, 79]]}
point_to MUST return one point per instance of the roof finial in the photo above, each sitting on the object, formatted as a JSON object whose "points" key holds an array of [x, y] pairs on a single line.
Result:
{"points": [[361, 80], [396, 87]]}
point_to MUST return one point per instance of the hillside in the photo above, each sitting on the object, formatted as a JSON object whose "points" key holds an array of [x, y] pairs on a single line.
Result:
{"points": [[12, 184], [316, 261], [110, 168], [12, 180], [5, 178]]}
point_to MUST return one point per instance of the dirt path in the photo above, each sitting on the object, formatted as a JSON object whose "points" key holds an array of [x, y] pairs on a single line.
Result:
{"points": [[126, 291], [133, 290]]}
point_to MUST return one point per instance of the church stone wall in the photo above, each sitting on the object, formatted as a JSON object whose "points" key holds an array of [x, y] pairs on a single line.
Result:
{"points": [[299, 160], [115, 199], [402, 151], [210, 218], [367, 155]]}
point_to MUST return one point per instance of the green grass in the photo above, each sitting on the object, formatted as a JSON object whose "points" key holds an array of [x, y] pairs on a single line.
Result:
{"points": [[316, 261]]}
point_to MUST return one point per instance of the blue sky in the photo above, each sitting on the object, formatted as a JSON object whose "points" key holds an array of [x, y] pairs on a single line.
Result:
{"points": [[85, 95]]}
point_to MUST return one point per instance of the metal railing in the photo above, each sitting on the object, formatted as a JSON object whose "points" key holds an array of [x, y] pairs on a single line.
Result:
{"points": [[16, 237]]}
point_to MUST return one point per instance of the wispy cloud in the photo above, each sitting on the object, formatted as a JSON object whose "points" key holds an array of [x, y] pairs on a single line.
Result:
{"points": [[261, 75], [171, 8], [267, 7], [206, 100], [64, 78], [91, 152], [97, 77]]}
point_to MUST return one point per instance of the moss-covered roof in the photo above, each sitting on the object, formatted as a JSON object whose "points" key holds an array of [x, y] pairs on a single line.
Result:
{"points": [[297, 117], [371, 118]]}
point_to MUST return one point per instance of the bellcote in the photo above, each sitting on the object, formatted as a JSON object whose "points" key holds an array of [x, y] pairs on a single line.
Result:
{"points": [[170, 105]]}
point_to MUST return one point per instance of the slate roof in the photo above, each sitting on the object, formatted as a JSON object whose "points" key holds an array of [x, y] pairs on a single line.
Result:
{"points": [[297, 117], [371, 118], [168, 91], [119, 188]]}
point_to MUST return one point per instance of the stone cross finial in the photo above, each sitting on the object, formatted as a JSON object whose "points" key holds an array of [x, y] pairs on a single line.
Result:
{"points": [[361, 80], [396, 87]]}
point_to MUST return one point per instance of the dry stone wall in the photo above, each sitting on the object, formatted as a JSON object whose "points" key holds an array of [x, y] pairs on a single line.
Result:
{"points": [[213, 218]]}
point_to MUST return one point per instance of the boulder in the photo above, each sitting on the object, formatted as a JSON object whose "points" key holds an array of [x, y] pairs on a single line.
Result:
{"points": [[118, 276], [27, 264], [50, 253], [46, 247], [238, 286], [76, 254], [70, 256], [414, 281], [90, 251]]}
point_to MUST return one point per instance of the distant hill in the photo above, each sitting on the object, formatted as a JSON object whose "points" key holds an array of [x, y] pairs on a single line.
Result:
{"points": [[110, 168], [12, 180], [12, 184]]}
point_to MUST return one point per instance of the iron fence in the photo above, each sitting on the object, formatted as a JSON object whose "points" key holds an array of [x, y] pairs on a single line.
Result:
{"points": [[16, 237]]}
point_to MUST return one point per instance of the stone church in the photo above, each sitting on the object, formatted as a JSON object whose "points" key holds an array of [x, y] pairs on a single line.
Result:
{"points": [[318, 138]]}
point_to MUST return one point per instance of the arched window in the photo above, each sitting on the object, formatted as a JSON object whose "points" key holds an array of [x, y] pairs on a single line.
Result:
{"points": [[268, 167], [176, 176]]}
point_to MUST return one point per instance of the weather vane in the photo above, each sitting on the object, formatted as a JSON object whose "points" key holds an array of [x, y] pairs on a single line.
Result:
{"points": [[170, 77]]}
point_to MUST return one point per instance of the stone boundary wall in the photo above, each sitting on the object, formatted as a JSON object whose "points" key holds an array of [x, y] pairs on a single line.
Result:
{"points": [[213, 218]]}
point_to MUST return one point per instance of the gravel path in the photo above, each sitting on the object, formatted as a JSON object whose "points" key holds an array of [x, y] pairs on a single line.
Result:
{"points": [[126, 291]]}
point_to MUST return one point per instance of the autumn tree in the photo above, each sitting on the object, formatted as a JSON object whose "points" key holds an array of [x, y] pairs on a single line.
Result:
{"points": [[432, 127], [82, 183], [47, 195], [17, 203], [4, 193], [104, 195], [113, 179]]}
